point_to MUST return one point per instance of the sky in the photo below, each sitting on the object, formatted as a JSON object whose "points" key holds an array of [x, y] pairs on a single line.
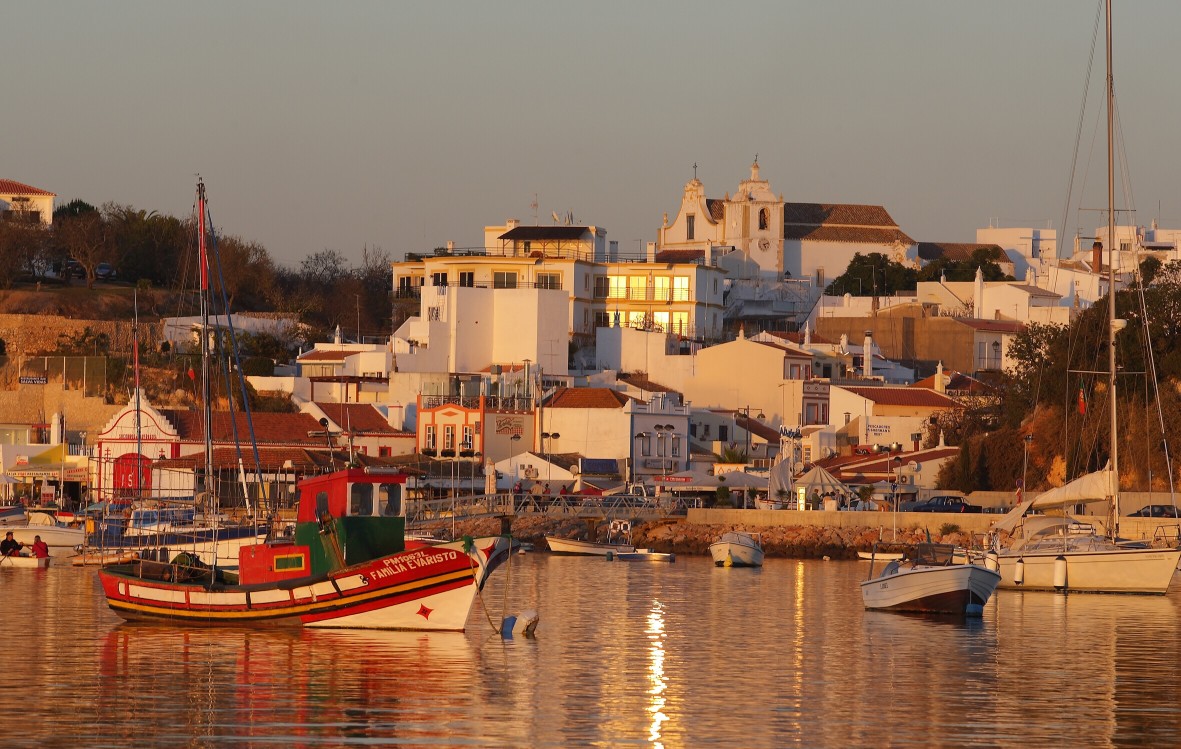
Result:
{"points": [[401, 126]]}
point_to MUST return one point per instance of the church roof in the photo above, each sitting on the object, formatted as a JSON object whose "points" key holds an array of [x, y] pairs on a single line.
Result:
{"points": [[717, 209], [841, 222]]}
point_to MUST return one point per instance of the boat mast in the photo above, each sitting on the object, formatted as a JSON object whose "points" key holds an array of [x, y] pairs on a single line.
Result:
{"points": [[207, 408], [1111, 319]]}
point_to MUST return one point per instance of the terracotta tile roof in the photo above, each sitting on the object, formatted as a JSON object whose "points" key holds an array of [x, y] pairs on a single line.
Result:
{"points": [[358, 418], [587, 398], [903, 396], [757, 428], [273, 428], [12, 187], [717, 209], [957, 382], [642, 382], [325, 355], [273, 458], [680, 256], [959, 251], [544, 232], [840, 222], [1035, 290]]}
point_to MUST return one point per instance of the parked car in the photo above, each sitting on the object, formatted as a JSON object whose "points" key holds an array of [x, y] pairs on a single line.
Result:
{"points": [[104, 272], [1156, 511], [946, 504]]}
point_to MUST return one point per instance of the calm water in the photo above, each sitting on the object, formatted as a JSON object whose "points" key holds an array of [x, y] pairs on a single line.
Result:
{"points": [[628, 654]]}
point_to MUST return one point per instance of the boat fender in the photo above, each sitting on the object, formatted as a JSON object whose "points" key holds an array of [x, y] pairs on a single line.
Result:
{"points": [[610, 556], [992, 561], [1059, 572], [1019, 571], [526, 623], [506, 627]]}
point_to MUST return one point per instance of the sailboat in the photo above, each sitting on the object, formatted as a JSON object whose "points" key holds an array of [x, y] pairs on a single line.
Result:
{"points": [[1060, 553], [348, 563]]}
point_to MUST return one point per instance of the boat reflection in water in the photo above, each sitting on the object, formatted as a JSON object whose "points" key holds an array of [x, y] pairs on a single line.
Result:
{"points": [[287, 685]]}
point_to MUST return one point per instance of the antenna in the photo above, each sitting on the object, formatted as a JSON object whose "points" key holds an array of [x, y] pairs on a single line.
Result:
{"points": [[533, 205]]}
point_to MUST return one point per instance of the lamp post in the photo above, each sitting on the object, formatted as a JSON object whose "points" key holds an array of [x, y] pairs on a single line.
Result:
{"points": [[663, 441], [547, 438]]}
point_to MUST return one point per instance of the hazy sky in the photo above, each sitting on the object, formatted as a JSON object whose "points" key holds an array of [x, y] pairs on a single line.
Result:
{"points": [[404, 125]]}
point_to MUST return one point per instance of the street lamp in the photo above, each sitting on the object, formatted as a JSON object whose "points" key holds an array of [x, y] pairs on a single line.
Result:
{"points": [[663, 441], [548, 437]]}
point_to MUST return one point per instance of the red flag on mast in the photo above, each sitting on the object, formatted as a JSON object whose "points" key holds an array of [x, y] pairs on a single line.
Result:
{"points": [[1082, 401]]}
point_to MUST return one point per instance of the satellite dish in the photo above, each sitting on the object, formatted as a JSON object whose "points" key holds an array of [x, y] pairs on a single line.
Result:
{"points": [[914, 465]]}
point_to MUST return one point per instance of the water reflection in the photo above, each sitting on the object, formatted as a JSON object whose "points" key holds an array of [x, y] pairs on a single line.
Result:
{"points": [[656, 671]]}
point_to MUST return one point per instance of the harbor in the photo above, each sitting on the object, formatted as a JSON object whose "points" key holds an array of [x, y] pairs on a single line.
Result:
{"points": [[683, 654]]}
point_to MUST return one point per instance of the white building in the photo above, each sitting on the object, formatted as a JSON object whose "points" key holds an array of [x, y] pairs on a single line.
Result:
{"points": [[21, 202]]}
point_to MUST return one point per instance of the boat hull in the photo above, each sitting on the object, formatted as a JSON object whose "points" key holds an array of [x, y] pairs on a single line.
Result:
{"points": [[957, 589], [1146, 571], [422, 589], [586, 548], [727, 554], [62, 542], [24, 562]]}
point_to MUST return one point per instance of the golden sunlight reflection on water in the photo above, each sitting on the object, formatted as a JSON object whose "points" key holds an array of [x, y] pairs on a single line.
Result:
{"points": [[672, 655]]}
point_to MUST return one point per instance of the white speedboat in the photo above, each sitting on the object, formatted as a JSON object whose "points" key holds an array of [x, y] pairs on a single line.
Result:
{"points": [[737, 549], [928, 580], [23, 562], [586, 548], [881, 556]]}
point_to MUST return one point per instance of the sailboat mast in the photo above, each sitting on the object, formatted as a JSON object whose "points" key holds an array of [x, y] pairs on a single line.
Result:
{"points": [[207, 408], [1111, 319]]}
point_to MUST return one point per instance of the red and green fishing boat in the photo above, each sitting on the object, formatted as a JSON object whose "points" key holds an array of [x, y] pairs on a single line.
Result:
{"points": [[348, 565]]}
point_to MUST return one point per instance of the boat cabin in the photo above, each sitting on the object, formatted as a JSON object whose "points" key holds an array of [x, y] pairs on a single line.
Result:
{"points": [[343, 518]]}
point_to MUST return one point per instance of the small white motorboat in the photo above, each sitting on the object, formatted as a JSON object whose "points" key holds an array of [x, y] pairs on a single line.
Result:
{"points": [[23, 562], [881, 556], [737, 549], [586, 548], [927, 579]]}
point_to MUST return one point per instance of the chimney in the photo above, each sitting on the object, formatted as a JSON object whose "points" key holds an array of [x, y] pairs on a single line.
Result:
{"points": [[450, 246], [867, 354], [1097, 257], [512, 223]]}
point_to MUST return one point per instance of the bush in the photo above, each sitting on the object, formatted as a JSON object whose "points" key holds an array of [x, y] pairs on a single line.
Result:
{"points": [[948, 528], [258, 366]]}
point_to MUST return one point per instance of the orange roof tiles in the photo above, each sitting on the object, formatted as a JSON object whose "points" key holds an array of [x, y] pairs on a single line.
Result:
{"points": [[840, 222], [679, 256], [274, 428], [12, 187], [903, 396], [325, 355], [587, 398], [358, 418]]}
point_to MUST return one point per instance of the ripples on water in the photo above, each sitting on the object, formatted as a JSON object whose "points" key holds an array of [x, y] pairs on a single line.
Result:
{"points": [[628, 654]]}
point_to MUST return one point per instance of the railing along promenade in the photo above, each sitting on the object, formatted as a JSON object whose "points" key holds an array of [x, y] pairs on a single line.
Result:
{"points": [[612, 507]]}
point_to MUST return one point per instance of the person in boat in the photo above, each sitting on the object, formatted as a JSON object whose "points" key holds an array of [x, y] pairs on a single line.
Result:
{"points": [[10, 547], [40, 548]]}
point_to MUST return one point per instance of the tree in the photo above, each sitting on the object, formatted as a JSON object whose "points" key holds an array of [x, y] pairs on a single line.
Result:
{"points": [[24, 247], [86, 238], [965, 270], [873, 274]]}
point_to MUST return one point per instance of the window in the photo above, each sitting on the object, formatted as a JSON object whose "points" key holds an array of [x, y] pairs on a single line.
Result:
{"points": [[467, 278], [384, 451], [321, 504], [469, 438], [1125, 246], [289, 562], [439, 279], [602, 287], [645, 445], [617, 287], [361, 500], [602, 319], [637, 287], [763, 219], [679, 323], [660, 288], [680, 291], [586, 319], [723, 433], [676, 446], [549, 280], [811, 414], [636, 319], [661, 319], [430, 437], [690, 226], [504, 279], [820, 278], [449, 437], [389, 498]]}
